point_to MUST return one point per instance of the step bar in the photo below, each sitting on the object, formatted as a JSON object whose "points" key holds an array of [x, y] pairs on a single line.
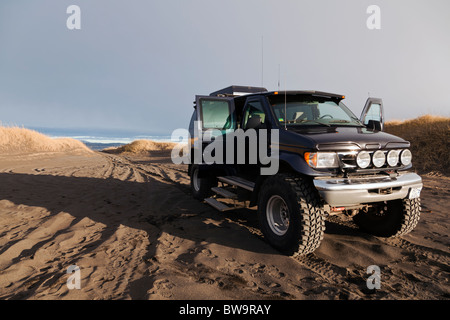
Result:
{"points": [[218, 205], [232, 181], [224, 193], [239, 182]]}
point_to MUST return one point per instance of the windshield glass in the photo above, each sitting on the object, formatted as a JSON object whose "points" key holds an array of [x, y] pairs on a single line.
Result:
{"points": [[303, 110]]}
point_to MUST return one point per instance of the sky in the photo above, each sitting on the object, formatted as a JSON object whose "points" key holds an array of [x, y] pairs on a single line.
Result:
{"points": [[138, 64]]}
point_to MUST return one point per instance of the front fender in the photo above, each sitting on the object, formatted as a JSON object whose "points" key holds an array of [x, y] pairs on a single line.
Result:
{"points": [[291, 162]]}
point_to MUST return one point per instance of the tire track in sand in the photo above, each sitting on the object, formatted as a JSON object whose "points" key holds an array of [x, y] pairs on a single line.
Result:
{"points": [[332, 274]]}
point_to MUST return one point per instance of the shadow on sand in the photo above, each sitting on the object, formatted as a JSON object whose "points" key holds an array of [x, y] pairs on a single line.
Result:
{"points": [[156, 207]]}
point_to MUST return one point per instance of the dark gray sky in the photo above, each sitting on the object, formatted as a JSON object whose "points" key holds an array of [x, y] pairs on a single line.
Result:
{"points": [[138, 64]]}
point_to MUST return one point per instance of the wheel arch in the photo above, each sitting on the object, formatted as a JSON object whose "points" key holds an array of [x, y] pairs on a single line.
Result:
{"points": [[284, 167]]}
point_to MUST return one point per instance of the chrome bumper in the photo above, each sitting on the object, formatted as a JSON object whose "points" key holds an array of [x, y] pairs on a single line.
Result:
{"points": [[353, 191]]}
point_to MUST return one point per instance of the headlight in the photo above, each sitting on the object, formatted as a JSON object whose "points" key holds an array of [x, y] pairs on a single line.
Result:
{"points": [[363, 159], [322, 159], [392, 158], [378, 159], [406, 157]]}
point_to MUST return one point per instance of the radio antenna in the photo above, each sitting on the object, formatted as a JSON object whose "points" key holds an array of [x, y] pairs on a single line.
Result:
{"points": [[262, 61], [278, 77], [285, 113]]}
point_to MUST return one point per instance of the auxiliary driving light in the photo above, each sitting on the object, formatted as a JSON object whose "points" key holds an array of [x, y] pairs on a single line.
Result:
{"points": [[406, 157], [363, 159], [378, 159], [392, 158]]}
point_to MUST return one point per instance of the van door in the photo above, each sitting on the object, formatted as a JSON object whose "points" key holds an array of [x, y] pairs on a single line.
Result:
{"points": [[254, 119], [215, 117], [372, 115]]}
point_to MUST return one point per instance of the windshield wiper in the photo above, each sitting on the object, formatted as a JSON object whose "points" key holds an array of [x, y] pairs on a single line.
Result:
{"points": [[315, 121], [340, 121], [357, 120]]}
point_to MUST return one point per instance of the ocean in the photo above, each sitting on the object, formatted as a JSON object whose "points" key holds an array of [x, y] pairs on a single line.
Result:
{"points": [[97, 139]]}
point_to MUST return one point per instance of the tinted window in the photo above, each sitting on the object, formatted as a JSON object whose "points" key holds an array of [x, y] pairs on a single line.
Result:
{"points": [[254, 109], [216, 114]]}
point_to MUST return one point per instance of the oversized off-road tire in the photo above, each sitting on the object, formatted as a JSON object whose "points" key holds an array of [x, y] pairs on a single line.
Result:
{"points": [[391, 219], [201, 187], [290, 213]]}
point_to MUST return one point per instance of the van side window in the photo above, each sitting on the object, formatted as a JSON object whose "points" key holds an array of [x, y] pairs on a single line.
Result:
{"points": [[215, 114], [254, 109]]}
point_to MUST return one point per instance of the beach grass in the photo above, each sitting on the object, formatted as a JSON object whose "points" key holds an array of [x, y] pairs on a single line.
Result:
{"points": [[21, 140], [141, 146], [430, 141]]}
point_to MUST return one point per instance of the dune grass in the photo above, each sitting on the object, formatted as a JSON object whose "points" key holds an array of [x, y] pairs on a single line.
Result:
{"points": [[21, 140], [142, 147], [430, 141]]}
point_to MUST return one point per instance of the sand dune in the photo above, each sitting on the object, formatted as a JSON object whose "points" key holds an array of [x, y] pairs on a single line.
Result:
{"points": [[141, 147], [131, 225], [430, 141], [15, 140]]}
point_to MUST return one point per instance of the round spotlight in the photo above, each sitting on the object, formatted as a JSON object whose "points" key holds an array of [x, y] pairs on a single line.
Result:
{"points": [[363, 159], [406, 157], [379, 159], [392, 158]]}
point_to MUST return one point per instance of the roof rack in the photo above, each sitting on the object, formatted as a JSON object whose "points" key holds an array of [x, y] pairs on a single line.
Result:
{"points": [[233, 91]]}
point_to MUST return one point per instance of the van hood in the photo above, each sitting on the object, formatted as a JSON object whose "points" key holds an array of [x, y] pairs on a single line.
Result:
{"points": [[345, 138]]}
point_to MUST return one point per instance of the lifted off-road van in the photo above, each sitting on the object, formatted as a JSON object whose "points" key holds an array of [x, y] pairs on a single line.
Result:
{"points": [[329, 162]]}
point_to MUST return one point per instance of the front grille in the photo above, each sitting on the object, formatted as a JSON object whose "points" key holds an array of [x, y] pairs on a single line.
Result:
{"points": [[347, 159]]}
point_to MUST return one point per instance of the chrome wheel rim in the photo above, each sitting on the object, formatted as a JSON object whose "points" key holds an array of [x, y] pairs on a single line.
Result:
{"points": [[277, 214]]}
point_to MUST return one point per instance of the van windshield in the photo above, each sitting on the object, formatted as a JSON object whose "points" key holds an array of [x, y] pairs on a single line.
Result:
{"points": [[300, 110]]}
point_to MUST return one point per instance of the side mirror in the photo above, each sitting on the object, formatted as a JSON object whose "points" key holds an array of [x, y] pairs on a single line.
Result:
{"points": [[253, 123]]}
